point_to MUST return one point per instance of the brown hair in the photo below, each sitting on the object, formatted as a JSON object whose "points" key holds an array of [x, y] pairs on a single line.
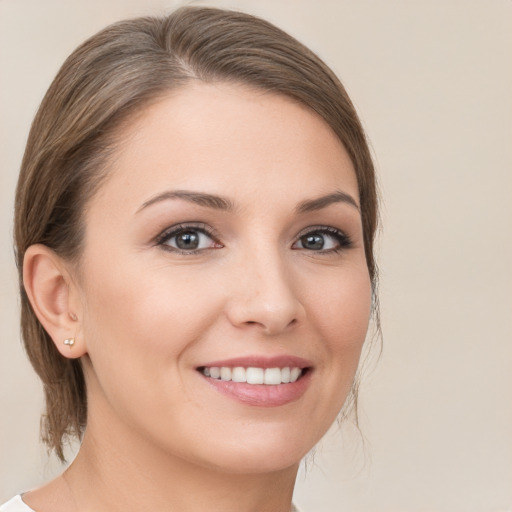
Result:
{"points": [[101, 85]]}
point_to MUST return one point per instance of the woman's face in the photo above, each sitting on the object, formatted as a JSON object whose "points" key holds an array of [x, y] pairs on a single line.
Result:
{"points": [[227, 235]]}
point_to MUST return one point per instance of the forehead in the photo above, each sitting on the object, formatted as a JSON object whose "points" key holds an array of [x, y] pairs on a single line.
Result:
{"points": [[229, 140]]}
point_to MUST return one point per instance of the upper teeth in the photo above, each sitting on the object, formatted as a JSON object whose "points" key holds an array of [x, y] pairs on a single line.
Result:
{"points": [[252, 375]]}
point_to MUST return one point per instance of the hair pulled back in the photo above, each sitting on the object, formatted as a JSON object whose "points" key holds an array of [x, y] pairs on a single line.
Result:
{"points": [[104, 82]]}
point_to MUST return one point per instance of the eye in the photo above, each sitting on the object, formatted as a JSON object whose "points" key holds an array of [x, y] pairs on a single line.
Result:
{"points": [[186, 239], [323, 239]]}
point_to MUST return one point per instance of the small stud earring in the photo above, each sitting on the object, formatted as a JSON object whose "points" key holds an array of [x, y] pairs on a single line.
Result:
{"points": [[69, 341]]}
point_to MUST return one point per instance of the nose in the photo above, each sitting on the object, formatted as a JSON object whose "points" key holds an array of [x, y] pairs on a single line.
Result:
{"points": [[263, 296]]}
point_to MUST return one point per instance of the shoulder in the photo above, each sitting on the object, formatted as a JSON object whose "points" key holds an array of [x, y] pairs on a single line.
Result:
{"points": [[16, 504]]}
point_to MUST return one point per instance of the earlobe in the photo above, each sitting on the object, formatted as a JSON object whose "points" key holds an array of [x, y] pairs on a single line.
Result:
{"points": [[54, 299]]}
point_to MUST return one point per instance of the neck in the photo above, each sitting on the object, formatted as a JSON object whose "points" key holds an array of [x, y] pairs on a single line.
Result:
{"points": [[125, 473]]}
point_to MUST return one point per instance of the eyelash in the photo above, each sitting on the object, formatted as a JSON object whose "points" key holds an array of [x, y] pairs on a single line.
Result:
{"points": [[173, 231], [344, 241]]}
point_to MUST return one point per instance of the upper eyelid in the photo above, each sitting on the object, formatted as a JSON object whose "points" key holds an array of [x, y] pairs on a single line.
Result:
{"points": [[321, 229], [176, 228]]}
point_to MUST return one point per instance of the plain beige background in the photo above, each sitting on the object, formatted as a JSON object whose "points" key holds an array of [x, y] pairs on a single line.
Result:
{"points": [[432, 81]]}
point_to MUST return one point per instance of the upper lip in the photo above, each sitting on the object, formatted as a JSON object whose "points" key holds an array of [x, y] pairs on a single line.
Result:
{"points": [[256, 361]]}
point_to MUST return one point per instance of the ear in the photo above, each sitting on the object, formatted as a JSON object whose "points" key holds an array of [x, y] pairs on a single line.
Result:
{"points": [[54, 298]]}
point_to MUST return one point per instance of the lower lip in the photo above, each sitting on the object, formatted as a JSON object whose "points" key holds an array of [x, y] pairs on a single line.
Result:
{"points": [[262, 395]]}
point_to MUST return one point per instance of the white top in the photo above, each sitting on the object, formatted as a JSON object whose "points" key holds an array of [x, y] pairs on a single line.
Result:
{"points": [[15, 505], [18, 505]]}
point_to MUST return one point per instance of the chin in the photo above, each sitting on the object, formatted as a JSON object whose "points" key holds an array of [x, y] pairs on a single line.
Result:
{"points": [[259, 462], [261, 450]]}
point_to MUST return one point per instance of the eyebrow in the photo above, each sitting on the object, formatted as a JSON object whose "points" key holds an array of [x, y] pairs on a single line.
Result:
{"points": [[222, 203], [319, 203], [208, 200]]}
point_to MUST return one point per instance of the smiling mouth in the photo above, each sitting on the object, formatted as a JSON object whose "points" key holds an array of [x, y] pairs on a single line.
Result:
{"points": [[254, 375]]}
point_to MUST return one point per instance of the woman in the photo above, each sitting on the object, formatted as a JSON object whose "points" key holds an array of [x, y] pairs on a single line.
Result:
{"points": [[194, 230]]}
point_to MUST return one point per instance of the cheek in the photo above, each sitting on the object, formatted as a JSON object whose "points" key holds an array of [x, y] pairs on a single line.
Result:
{"points": [[149, 304], [340, 310], [342, 307], [139, 328]]}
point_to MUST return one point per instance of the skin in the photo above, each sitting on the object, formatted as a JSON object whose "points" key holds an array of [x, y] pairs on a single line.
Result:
{"points": [[159, 437]]}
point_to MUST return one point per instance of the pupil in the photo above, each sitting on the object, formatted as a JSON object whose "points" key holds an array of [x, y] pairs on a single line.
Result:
{"points": [[187, 240], [315, 242]]}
